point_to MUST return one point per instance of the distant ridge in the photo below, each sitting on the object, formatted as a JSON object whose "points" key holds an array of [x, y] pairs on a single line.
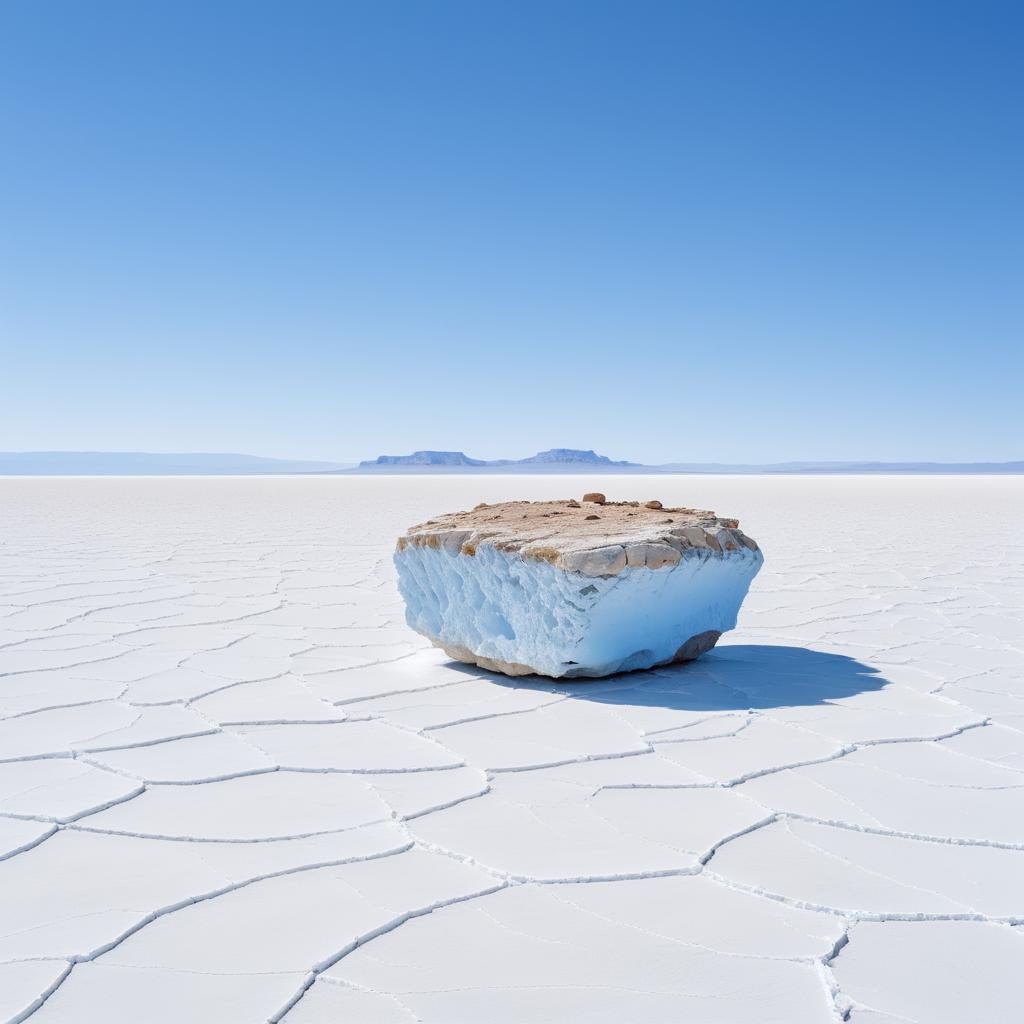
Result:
{"points": [[564, 456], [152, 464], [423, 459], [803, 468], [564, 460], [553, 461], [577, 460]]}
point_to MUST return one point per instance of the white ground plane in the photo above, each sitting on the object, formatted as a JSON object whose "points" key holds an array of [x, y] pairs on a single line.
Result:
{"points": [[235, 787]]}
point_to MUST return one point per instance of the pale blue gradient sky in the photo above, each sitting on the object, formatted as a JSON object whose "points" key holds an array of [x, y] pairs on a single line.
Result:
{"points": [[668, 231]]}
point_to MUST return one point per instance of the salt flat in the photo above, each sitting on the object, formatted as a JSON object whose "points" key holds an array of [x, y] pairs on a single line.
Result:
{"points": [[234, 787]]}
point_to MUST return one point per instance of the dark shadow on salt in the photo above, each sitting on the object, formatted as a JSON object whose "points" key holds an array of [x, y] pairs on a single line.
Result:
{"points": [[732, 677]]}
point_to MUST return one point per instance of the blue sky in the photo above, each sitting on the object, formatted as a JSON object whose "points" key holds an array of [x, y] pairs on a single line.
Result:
{"points": [[669, 231]]}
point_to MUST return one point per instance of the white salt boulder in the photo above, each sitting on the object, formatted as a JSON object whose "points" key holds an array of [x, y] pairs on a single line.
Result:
{"points": [[570, 588]]}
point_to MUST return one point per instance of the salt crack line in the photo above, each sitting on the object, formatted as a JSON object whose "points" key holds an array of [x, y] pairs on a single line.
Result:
{"points": [[739, 780], [396, 693], [579, 759], [406, 770], [76, 752], [454, 802], [874, 917], [374, 933], [31, 845], [696, 868], [241, 773], [27, 1012], [171, 908], [747, 723], [719, 717], [245, 723], [889, 833], [661, 936], [68, 706], [769, 819], [839, 1004], [68, 819], [492, 716], [78, 827]]}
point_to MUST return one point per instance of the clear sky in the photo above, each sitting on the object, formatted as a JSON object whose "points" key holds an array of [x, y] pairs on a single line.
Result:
{"points": [[677, 231]]}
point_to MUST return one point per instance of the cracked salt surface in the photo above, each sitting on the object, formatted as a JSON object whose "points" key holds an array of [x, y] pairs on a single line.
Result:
{"points": [[234, 786]]}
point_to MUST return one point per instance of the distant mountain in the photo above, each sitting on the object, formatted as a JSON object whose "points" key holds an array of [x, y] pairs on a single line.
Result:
{"points": [[152, 464], [560, 460], [576, 460], [565, 456], [423, 459], [555, 460]]}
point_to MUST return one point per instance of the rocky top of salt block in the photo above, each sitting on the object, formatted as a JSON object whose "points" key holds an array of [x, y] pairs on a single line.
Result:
{"points": [[594, 537]]}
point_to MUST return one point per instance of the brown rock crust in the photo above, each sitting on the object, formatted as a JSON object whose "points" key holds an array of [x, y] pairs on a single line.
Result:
{"points": [[577, 537]]}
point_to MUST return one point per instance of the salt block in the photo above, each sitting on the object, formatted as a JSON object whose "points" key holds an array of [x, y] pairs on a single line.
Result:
{"points": [[575, 588]]}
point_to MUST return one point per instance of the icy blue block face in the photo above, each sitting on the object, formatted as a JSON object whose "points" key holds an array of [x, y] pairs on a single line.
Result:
{"points": [[500, 607]]}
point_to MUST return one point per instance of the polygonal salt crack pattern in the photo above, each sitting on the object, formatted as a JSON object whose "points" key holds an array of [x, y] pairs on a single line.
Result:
{"points": [[234, 787]]}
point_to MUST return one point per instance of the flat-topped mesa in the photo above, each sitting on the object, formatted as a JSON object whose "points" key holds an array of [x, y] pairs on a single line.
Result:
{"points": [[575, 588]]}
